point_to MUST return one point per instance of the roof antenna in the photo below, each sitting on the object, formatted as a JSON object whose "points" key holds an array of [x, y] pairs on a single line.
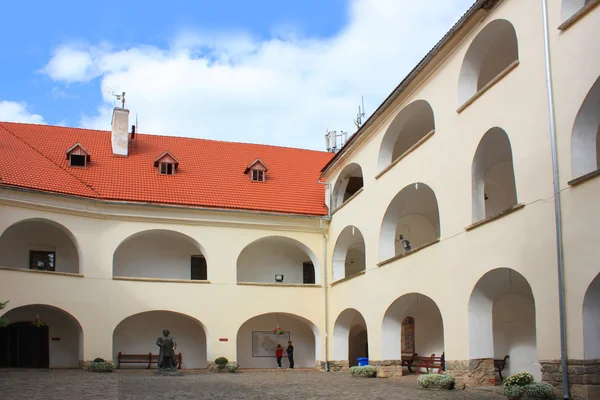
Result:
{"points": [[121, 98], [361, 113]]}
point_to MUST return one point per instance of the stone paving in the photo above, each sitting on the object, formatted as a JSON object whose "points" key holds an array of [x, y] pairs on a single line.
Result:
{"points": [[280, 385]]}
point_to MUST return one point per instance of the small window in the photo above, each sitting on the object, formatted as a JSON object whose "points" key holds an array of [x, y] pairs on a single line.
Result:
{"points": [[166, 168], [166, 164], [78, 156], [198, 268], [258, 175], [77, 161], [42, 260], [308, 272]]}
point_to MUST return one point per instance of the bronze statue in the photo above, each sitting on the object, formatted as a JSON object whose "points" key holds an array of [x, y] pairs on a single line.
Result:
{"points": [[166, 355]]}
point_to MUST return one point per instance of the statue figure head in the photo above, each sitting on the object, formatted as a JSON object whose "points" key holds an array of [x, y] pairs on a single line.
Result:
{"points": [[166, 332]]}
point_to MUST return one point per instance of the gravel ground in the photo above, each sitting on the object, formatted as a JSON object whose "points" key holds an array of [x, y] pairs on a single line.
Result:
{"points": [[280, 385]]}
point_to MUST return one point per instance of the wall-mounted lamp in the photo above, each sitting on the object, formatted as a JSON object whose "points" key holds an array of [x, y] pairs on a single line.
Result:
{"points": [[278, 277], [405, 243]]}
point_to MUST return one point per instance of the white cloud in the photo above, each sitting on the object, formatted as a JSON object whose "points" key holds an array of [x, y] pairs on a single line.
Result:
{"points": [[285, 90], [12, 111]]}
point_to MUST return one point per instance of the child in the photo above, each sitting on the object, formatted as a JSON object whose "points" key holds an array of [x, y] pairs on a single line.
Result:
{"points": [[279, 355]]}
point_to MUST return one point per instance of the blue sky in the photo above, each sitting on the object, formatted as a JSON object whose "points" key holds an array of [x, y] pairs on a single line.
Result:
{"points": [[265, 71]]}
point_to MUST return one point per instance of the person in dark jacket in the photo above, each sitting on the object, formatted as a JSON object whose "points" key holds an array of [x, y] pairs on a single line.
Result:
{"points": [[290, 354]]}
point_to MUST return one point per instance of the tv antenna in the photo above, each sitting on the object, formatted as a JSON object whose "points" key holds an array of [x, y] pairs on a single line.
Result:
{"points": [[361, 113], [121, 98]]}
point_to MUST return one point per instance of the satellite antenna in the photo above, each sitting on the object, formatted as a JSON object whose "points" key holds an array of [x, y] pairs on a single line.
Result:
{"points": [[361, 113], [121, 98]]}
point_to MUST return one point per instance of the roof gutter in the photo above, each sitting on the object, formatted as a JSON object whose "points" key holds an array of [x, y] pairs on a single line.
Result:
{"points": [[478, 5]]}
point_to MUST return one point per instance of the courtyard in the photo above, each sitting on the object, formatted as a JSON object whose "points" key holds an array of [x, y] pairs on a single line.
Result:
{"points": [[142, 384]]}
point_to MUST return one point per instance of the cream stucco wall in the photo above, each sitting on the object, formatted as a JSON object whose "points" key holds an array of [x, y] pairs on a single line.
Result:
{"points": [[447, 272], [100, 303], [523, 240]]}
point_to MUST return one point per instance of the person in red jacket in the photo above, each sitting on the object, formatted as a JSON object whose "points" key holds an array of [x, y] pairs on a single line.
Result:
{"points": [[279, 355]]}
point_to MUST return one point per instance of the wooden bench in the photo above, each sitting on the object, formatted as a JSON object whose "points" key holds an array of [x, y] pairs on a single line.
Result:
{"points": [[407, 360], [144, 359], [429, 363], [500, 364]]}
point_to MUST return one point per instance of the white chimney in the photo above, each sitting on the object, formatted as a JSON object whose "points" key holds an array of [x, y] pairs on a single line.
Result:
{"points": [[120, 133]]}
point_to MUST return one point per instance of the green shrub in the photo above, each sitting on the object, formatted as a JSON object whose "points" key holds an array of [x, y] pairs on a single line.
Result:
{"points": [[221, 362], [519, 379], [99, 360], [231, 367], [101, 366], [513, 391], [368, 371], [436, 381], [539, 390]]}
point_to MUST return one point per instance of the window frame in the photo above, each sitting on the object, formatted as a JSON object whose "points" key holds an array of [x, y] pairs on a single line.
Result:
{"points": [[166, 168], [47, 261], [84, 158], [203, 272], [258, 175]]}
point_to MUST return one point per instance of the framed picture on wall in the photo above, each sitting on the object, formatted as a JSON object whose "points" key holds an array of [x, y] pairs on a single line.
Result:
{"points": [[265, 343]]}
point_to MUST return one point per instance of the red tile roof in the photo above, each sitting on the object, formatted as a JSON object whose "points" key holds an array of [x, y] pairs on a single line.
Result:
{"points": [[210, 173]]}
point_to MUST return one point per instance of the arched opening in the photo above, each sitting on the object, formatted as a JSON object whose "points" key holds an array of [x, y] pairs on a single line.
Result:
{"points": [[137, 334], [502, 321], [412, 324], [492, 51], [591, 320], [348, 183], [160, 254], [409, 127], [56, 341], [493, 176], [411, 221], [256, 341], [277, 259], [349, 253], [39, 244], [350, 338], [585, 141], [570, 8]]}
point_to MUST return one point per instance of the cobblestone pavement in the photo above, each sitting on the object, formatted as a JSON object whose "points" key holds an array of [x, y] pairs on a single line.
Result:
{"points": [[137, 385]]}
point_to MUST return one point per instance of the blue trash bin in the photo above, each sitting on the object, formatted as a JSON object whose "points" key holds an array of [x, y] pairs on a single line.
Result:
{"points": [[363, 361]]}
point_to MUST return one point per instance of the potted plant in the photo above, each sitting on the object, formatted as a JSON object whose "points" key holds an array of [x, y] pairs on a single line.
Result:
{"points": [[436, 381], [100, 365], [279, 331], [38, 322], [522, 386], [221, 363], [368, 371]]}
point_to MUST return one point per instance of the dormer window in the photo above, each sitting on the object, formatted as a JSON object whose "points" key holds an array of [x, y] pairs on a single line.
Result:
{"points": [[257, 171], [78, 156], [258, 175], [166, 168], [166, 164]]}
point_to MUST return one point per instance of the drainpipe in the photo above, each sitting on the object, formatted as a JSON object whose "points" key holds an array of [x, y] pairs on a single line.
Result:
{"points": [[557, 208], [325, 291]]}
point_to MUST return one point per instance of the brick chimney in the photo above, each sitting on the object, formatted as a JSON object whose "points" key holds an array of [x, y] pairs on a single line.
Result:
{"points": [[120, 133]]}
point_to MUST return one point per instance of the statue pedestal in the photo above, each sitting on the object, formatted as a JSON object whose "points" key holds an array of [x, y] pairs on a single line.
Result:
{"points": [[167, 372]]}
